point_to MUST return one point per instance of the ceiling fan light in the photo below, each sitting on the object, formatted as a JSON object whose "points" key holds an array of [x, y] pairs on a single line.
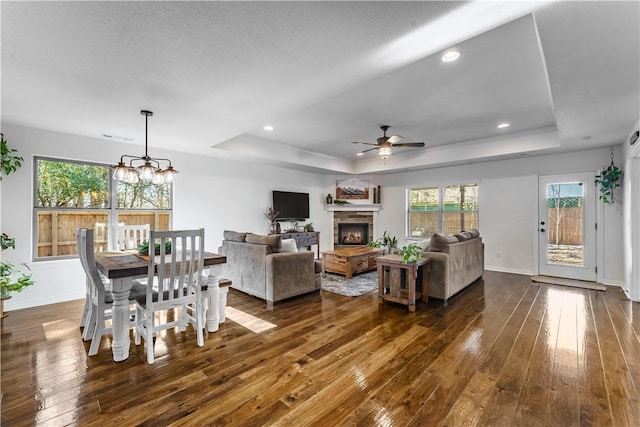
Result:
{"points": [[384, 152]]}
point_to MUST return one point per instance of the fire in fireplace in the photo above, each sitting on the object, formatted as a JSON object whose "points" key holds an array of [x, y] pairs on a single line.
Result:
{"points": [[353, 234]]}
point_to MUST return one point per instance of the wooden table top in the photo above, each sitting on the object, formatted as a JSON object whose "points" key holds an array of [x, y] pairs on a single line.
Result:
{"points": [[354, 251], [116, 265], [399, 259]]}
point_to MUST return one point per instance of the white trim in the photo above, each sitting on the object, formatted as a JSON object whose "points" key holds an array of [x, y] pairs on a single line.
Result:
{"points": [[508, 270]]}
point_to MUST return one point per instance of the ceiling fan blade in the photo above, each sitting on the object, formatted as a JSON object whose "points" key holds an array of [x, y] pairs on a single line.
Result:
{"points": [[410, 144], [393, 139], [365, 143], [369, 149]]}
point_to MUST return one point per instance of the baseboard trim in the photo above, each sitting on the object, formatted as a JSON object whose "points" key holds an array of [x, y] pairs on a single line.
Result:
{"points": [[508, 270]]}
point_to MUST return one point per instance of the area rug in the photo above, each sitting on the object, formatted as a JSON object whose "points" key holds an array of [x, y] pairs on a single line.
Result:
{"points": [[359, 284], [569, 282]]}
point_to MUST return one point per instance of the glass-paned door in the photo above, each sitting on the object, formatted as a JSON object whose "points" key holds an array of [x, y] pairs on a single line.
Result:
{"points": [[566, 226]]}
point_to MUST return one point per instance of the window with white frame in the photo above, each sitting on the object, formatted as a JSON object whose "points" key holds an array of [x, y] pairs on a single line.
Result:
{"points": [[448, 210], [70, 194]]}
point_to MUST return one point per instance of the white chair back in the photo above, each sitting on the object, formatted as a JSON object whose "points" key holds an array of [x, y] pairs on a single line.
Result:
{"points": [[177, 282], [87, 259], [127, 237]]}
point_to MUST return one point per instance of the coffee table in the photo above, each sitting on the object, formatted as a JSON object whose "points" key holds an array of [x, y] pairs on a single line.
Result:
{"points": [[351, 260]]}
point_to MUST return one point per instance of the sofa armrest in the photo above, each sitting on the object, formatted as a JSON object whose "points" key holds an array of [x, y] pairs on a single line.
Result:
{"points": [[439, 275], [289, 274]]}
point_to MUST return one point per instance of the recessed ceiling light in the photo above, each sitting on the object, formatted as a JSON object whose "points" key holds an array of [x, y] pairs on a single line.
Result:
{"points": [[503, 125], [450, 56], [360, 154], [268, 127]]}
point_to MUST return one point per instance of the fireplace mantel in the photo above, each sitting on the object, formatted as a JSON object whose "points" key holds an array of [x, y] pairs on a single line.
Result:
{"points": [[371, 209], [354, 208]]}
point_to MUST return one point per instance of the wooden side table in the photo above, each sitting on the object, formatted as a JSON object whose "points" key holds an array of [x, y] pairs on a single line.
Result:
{"points": [[391, 287]]}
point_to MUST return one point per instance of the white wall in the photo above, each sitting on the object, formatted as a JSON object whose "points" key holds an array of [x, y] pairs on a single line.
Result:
{"points": [[508, 206], [217, 194], [221, 194]]}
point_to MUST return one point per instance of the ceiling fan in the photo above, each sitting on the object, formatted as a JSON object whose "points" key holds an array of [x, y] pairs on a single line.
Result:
{"points": [[386, 144]]}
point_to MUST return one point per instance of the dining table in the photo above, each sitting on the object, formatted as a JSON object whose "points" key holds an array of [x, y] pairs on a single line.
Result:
{"points": [[123, 267]]}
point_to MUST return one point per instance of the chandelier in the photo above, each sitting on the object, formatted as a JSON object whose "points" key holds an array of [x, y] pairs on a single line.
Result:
{"points": [[147, 168]]}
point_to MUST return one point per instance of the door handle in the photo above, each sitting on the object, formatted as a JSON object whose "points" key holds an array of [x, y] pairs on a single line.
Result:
{"points": [[542, 223], [542, 230]]}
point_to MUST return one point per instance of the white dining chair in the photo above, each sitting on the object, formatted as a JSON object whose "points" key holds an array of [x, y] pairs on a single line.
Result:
{"points": [[101, 301], [129, 236], [177, 283]]}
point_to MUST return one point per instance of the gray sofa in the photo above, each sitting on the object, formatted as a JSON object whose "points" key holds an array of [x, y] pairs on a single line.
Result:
{"points": [[456, 262], [257, 265]]}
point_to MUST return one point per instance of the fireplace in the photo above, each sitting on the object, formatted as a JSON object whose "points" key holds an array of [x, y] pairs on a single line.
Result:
{"points": [[353, 234]]}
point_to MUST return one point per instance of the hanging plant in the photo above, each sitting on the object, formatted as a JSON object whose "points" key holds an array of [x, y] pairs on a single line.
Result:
{"points": [[608, 181], [9, 162]]}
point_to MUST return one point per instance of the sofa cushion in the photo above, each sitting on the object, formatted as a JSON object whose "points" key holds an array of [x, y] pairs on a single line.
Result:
{"points": [[234, 236], [463, 235], [289, 245], [474, 233], [439, 241], [273, 240]]}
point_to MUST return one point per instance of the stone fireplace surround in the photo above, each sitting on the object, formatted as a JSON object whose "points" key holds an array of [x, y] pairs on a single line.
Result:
{"points": [[356, 214]]}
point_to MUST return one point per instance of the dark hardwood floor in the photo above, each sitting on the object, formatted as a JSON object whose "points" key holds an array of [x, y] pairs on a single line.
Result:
{"points": [[505, 352]]}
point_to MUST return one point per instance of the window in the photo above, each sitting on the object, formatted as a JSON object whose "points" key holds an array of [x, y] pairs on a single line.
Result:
{"points": [[447, 210], [72, 194]]}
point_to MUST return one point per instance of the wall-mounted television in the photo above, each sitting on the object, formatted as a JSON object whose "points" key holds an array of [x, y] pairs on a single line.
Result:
{"points": [[292, 206]]}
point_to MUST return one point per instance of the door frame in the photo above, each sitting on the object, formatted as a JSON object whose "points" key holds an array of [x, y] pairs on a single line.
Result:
{"points": [[599, 232]]}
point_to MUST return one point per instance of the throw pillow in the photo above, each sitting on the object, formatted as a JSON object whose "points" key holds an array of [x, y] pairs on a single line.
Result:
{"points": [[438, 241], [234, 236], [474, 233], [289, 245], [273, 240], [463, 235]]}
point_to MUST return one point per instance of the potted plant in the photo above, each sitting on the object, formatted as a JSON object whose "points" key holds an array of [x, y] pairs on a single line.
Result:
{"points": [[144, 248], [11, 280], [272, 214], [608, 181], [411, 253], [390, 242], [9, 162]]}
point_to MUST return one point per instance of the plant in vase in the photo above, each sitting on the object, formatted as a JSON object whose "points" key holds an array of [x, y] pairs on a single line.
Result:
{"points": [[11, 280], [144, 248], [272, 214], [390, 242], [411, 253], [608, 181]]}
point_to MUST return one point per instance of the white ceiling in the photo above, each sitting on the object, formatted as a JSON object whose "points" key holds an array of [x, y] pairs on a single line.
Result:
{"points": [[324, 74]]}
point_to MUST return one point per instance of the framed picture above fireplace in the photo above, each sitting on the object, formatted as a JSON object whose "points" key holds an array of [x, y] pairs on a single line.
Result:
{"points": [[352, 189]]}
